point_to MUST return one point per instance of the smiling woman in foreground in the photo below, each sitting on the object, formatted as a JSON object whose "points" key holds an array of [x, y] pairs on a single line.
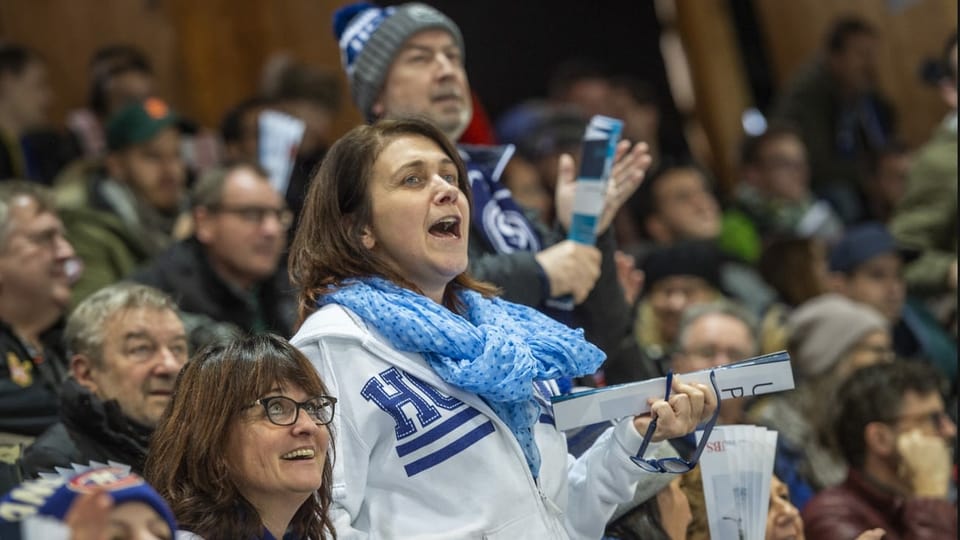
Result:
{"points": [[242, 450], [445, 428]]}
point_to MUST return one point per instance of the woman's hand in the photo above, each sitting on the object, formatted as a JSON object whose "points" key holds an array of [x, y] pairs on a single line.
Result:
{"points": [[688, 406]]}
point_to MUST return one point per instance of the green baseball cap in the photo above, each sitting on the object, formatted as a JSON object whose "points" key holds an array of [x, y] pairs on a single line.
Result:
{"points": [[139, 122]]}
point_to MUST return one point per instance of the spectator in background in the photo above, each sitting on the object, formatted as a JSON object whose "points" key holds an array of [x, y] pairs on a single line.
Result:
{"points": [[409, 61], [676, 203], [240, 130], [798, 271], [867, 267], [885, 183], [891, 428], [28, 150], [35, 279], [713, 335], [117, 75], [127, 345], [841, 116], [773, 197], [583, 83], [121, 74], [637, 104], [829, 337], [551, 133], [312, 95], [125, 212], [230, 271], [926, 218], [675, 278]]}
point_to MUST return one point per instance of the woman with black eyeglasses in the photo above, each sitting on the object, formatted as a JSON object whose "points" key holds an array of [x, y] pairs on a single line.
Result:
{"points": [[242, 451]]}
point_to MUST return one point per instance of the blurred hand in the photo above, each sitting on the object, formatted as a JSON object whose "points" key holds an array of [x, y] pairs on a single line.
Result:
{"points": [[952, 276], [626, 175], [872, 534], [631, 279], [924, 463], [571, 268], [688, 406], [89, 515]]}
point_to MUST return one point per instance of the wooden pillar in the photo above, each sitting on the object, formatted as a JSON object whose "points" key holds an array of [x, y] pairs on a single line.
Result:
{"points": [[719, 79]]}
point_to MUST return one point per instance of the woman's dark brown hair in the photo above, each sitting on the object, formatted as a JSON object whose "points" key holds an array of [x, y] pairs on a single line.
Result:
{"points": [[186, 462], [327, 248]]}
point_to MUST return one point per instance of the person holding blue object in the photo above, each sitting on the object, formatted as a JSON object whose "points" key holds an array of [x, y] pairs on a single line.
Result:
{"points": [[445, 427], [408, 60]]}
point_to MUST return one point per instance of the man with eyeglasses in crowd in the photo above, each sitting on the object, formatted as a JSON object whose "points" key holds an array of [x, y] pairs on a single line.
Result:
{"points": [[893, 431], [230, 271], [126, 345], [35, 281]]}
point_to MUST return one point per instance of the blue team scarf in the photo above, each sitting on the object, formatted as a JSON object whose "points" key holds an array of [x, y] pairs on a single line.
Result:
{"points": [[495, 350], [495, 214]]}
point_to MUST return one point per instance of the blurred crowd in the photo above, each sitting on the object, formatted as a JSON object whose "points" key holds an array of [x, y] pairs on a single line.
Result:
{"points": [[134, 241]]}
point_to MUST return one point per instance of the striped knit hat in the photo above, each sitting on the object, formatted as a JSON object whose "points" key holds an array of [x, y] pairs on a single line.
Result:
{"points": [[369, 38]]}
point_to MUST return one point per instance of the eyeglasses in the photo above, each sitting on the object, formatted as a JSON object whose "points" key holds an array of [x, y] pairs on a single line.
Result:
{"points": [[676, 464], [711, 352], [255, 215], [284, 411], [935, 418]]}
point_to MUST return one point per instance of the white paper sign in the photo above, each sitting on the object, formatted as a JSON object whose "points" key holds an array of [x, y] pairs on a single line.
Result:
{"points": [[752, 377], [736, 466], [279, 140]]}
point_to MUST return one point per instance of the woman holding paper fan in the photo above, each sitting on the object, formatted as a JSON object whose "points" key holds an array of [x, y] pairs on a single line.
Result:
{"points": [[445, 428]]}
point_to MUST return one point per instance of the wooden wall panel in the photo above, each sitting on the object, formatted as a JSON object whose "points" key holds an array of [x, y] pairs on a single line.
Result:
{"points": [[719, 79], [207, 54], [794, 32]]}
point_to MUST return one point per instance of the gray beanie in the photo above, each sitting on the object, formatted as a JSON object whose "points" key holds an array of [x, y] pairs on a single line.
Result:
{"points": [[369, 38], [822, 330]]}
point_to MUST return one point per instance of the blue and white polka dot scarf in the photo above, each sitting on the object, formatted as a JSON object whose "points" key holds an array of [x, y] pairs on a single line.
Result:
{"points": [[496, 350]]}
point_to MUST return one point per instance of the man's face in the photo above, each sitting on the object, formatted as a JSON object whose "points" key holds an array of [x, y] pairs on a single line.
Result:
{"points": [[855, 67], [592, 96], [154, 169], [890, 182], [33, 260], [246, 234], [143, 351], [686, 210], [671, 295], [127, 87], [28, 94], [782, 172], [427, 78], [925, 413], [711, 341], [879, 283]]}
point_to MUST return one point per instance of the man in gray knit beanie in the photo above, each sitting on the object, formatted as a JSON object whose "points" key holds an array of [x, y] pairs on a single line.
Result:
{"points": [[377, 44]]}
